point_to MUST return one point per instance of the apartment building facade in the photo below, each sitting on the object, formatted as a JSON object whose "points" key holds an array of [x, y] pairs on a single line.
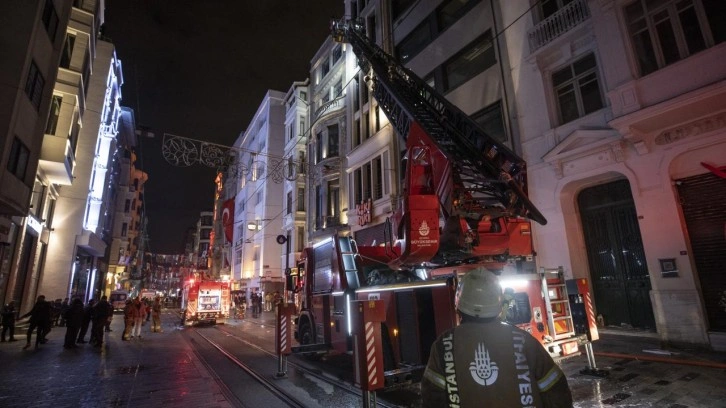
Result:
{"points": [[297, 133], [60, 88], [258, 259], [622, 108], [127, 219], [327, 185]]}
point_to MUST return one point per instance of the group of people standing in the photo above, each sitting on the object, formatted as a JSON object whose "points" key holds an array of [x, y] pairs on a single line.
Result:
{"points": [[137, 312], [78, 318], [266, 303], [74, 316]]}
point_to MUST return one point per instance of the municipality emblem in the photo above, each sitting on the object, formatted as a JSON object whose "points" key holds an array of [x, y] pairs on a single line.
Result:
{"points": [[483, 370]]}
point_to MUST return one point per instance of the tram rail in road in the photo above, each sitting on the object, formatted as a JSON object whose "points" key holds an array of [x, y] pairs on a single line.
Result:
{"points": [[302, 387]]}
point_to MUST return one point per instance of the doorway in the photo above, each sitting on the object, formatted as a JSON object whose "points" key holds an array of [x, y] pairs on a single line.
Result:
{"points": [[618, 269]]}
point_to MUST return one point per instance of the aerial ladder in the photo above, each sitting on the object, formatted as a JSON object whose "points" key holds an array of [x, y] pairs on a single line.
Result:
{"points": [[479, 183]]}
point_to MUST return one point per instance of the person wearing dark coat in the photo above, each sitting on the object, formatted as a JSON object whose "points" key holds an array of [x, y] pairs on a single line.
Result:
{"points": [[73, 318], [8, 321], [99, 316], [85, 321], [40, 318]]}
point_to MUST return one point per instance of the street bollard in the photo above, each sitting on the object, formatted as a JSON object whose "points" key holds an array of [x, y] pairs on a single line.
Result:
{"points": [[368, 347], [283, 337]]}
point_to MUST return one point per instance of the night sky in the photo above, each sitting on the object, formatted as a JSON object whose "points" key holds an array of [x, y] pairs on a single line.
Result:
{"points": [[199, 69]]}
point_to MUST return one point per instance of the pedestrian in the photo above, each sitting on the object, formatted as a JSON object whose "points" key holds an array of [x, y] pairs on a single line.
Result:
{"points": [[276, 299], [65, 305], [128, 319], [139, 314], [99, 316], [268, 302], [87, 314], [260, 299], [40, 320], [8, 321], [147, 304], [73, 318], [156, 316], [56, 307], [486, 362], [253, 304], [107, 326]]}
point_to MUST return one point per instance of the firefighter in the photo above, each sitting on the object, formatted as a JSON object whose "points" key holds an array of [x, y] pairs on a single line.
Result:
{"points": [[486, 362]]}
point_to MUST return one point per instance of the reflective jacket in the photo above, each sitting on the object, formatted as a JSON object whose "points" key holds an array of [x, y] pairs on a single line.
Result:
{"points": [[494, 364]]}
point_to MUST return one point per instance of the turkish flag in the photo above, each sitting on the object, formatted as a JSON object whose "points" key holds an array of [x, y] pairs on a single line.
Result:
{"points": [[228, 219]]}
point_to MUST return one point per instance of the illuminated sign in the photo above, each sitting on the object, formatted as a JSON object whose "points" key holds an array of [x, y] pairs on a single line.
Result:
{"points": [[34, 224]]}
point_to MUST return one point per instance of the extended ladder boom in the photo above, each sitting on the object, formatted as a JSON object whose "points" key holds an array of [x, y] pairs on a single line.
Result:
{"points": [[492, 176]]}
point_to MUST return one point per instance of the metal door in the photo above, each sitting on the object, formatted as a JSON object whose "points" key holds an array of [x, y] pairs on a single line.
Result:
{"points": [[703, 200], [619, 272]]}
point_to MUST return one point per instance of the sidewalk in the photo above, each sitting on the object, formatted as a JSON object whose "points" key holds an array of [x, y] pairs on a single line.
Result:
{"points": [[159, 369]]}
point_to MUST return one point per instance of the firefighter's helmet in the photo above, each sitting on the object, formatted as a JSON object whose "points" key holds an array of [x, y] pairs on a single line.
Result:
{"points": [[479, 294]]}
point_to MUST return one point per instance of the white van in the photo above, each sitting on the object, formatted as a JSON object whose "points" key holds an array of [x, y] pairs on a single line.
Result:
{"points": [[118, 299]]}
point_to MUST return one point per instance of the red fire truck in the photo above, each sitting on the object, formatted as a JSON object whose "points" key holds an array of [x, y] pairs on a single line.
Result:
{"points": [[463, 205], [205, 301]]}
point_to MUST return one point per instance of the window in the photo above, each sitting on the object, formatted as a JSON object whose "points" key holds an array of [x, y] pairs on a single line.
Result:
{"points": [[124, 229], [399, 6], [550, 7], [337, 53], [50, 19], [451, 11], [577, 89], [333, 198], [469, 62], [127, 206], [364, 93], [288, 207], [18, 160], [318, 207], [414, 42], [301, 131], [34, 85], [448, 13], [55, 107], [65, 61], [491, 121], [356, 133], [318, 147], [300, 239], [371, 28], [86, 72], [324, 68], [301, 199], [366, 131], [368, 181], [304, 96], [338, 89], [332, 141], [667, 31]]}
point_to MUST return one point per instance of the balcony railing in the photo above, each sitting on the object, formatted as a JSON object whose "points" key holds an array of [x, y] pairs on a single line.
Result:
{"points": [[335, 104], [557, 24]]}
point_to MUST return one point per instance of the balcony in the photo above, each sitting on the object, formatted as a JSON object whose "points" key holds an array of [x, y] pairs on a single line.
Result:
{"points": [[57, 159], [328, 107], [557, 24]]}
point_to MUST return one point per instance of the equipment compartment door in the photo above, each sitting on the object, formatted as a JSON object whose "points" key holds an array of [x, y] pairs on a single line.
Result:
{"points": [[618, 269]]}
